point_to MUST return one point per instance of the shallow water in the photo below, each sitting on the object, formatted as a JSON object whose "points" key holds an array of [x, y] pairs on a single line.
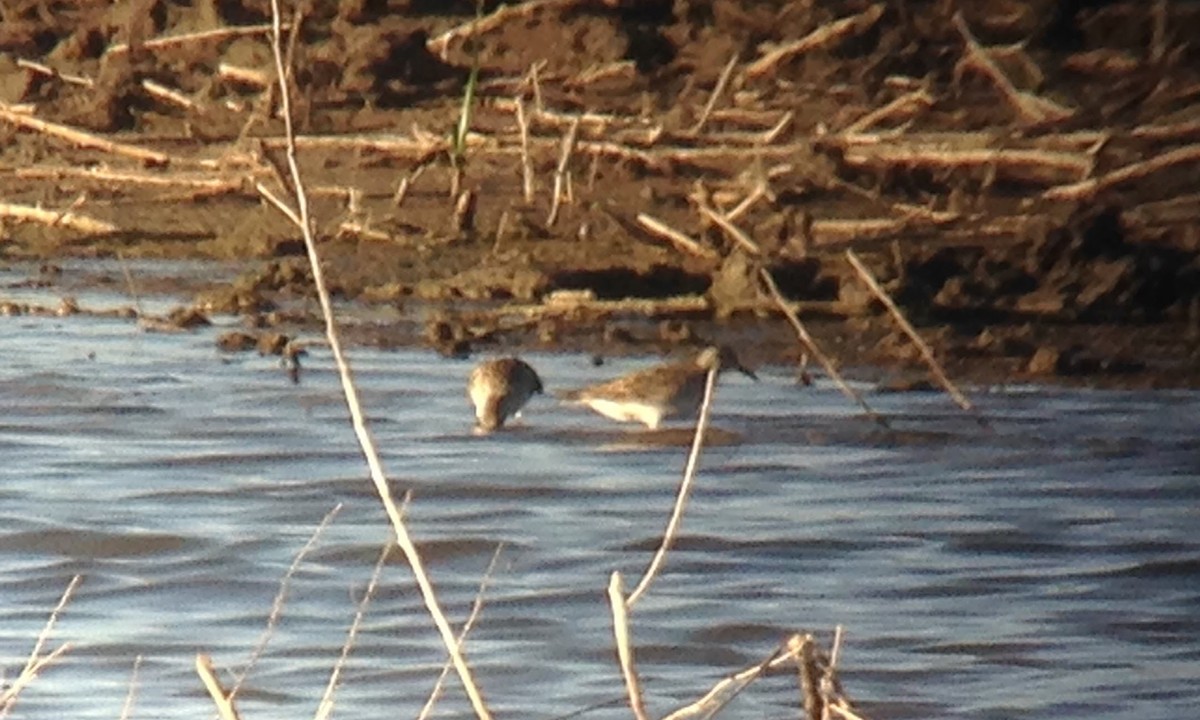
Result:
{"points": [[1050, 568]]}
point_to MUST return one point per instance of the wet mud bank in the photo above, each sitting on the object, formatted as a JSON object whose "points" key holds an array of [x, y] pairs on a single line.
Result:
{"points": [[1020, 179]]}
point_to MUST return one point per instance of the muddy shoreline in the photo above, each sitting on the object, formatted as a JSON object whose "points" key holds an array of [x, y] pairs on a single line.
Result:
{"points": [[1031, 209]]}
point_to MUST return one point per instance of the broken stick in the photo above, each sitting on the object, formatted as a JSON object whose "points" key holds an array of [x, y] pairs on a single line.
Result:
{"points": [[926, 352]]}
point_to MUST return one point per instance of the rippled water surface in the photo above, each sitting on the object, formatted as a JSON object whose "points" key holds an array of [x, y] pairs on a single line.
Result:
{"points": [[1050, 568]]}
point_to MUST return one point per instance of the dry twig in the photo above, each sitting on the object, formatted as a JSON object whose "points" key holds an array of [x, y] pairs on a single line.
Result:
{"points": [[526, 165], [809, 343], [729, 687], [217, 34], [476, 607], [302, 219], [681, 497], [904, 106], [81, 138], [722, 80], [676, 238], [37, 662], [560, 172], [50, 218], [1030, 108], [131, 694], [1135, 171], [926, 353], [224, 701], [325, 707], [244, 76], [822, 37], [277, 604], [1029, 165], [616, 600]]}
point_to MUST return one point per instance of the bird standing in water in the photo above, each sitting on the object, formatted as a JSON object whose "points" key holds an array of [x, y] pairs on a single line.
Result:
{"points": [[499, 388], [664, 392]]}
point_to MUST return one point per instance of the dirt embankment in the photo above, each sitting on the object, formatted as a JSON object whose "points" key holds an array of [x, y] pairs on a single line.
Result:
{"points": [[1021, 177]]}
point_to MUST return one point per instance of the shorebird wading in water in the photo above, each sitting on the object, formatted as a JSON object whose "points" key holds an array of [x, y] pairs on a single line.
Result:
{"points": [[663, 392], [499, 389]]}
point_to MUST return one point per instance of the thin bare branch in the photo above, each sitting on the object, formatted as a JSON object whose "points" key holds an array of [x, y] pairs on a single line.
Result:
{"points": [[350, 390], [681, 497], [208, 676], [325, 707], [1030, 108], [722, 81], [822, 37], [729, 687], [810, 344], [217, 34], [277, 604], [36, 662], [568, 147], [676, 238], [131, 694], [66, 219], [616, 601], [476, 607], [80, 138], [1134, 171], [926, 353]]}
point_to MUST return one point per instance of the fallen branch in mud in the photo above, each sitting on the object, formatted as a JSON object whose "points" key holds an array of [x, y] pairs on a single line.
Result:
{"points": [[559, 120], [42, 69], [680, 240], [822, 37], [108, 178], [1041, 167], [244, 75], [417, 148], [51, 218], [1136, 171], [827, 232], [217, 34], [1030, 108], [905, 106], [440, 45], [169, 95], [1189, 130], [560, 172], [37, 662], [926, 352], [713, 97], [82, 139]]}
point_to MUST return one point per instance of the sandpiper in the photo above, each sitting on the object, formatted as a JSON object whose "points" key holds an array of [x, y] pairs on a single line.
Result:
{"points": [[499, 388], [663, 392]]}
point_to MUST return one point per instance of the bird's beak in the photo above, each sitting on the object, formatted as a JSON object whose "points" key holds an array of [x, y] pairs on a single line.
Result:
{"points": [[747, 372]]}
